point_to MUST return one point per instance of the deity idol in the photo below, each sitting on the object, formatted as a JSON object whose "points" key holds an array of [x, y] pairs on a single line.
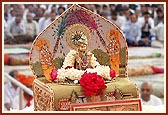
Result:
{"points": [[79, 58]]}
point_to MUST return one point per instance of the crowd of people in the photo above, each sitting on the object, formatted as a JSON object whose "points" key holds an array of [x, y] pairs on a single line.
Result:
{"points": [[142, 24]]}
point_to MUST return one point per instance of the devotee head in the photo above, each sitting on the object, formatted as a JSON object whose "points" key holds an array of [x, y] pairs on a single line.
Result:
{"points": [[114, 15], [133, 18], [146, 16], [29, 17], [61, 10], [160, 13], [53, 16], [146, 91], [14, 74], [98, 8], [104, 14], [127, 13], [18, 18]]}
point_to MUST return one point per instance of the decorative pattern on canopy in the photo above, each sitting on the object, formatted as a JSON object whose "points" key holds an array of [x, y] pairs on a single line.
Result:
{"points": [[106, 42]]}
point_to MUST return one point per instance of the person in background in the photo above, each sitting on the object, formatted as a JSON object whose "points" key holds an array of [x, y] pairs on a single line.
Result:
{"points": [[49, 20], [138, 12], [92, 8], [28, 82], [11, 18], [17, 27], [112, 7], [147, 97], [5, 25], [60, 10], [153, 11], [42, 20], [158, 35], [144, 8], [105, 8], [53, 9], [30, 9], [160, 16], [132, 32], [32, 28], [147, 25], [116, 19], [39, 13], [98, 8], [7, 12], [126, 18], [104, 14], [11, 91]]}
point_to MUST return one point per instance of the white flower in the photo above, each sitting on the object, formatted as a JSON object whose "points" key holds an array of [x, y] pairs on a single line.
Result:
{"points": [[70, 73], [104, 71], [93, 61], [75, 74], [75, 81], [69, 59]]}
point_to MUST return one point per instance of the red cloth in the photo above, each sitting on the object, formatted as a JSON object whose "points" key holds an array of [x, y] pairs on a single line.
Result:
{"points": [[157, 70], [28, 99], [6, 59]]}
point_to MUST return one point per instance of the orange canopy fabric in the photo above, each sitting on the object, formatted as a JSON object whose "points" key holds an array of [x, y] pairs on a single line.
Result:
{"points": [[26, 80]]}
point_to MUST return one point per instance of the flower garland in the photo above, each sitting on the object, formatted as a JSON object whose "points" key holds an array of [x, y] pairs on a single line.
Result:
{"points": [[73, 74], [103, 71], [70, 59], [69, 72]]}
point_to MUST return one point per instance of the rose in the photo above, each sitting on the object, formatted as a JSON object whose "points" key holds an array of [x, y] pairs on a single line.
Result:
{"points": [[112, 73], [53, 74], [92, 84]]}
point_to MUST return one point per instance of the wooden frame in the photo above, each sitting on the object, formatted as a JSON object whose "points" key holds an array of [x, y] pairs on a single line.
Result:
{"points": [[119, 105]]}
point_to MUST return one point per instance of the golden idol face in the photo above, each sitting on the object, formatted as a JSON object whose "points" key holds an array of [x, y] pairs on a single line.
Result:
{"points": [[82, 47]]}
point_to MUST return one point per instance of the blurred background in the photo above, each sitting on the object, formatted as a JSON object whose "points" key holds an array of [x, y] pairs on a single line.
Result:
{"points": [[142, 26]]}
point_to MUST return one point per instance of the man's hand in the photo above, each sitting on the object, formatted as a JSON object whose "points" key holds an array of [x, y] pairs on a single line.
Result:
{"points": [[7, 106], [136, 43], [146, 40]]}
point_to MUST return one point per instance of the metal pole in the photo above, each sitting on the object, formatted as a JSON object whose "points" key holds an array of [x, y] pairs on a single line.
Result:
{"points": [[29, 91]]}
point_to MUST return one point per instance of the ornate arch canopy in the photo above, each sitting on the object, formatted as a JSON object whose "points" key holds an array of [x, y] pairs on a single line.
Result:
{"points": [[106, 41]]}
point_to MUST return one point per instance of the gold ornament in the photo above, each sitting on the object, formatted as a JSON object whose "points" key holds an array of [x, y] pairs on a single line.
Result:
{"points": [[77, 34]]}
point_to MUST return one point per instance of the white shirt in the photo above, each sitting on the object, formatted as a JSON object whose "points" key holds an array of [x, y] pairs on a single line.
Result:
{"points": [[119, 22], [24, 102], [158, 31], [154, 101], [43, 23], [17, 29], [10, 95], [47, 22], [141, 21], [32, 28], [132, 31]]}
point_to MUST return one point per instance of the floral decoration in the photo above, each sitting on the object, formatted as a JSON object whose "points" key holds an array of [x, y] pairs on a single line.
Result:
{"points": [[54, 74], [112, 73], [92, 84]]}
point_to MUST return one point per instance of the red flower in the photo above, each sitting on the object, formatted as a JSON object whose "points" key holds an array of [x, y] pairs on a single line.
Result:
{"points": [[112, 73], [92, 84], [53, 74]]}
